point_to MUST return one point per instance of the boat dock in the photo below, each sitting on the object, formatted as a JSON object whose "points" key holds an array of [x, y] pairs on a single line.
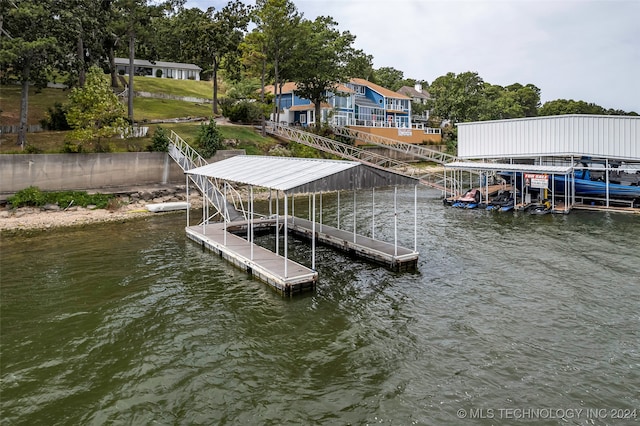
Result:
{"points": [[288, 176], [294, 278], [285, 275], [390, 255]]}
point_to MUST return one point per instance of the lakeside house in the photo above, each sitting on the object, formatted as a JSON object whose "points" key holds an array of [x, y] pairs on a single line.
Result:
{"points": [[159, 69], [418, 95], [357, 103]]}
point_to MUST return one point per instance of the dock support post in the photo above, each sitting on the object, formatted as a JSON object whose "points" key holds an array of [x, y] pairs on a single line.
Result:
{"points": [[395, 221], [226, 214], [320, 212], [553, 192], [250, 230], [338, 210], [286, 213], [277, 223], [607, 187], [187, 189], [373, 213], [313, 235], [354, 216], [415, 217]]}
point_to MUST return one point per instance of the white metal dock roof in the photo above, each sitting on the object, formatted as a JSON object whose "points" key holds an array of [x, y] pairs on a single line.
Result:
{"points": [[602, 136], [531, 168], [296, 175]]}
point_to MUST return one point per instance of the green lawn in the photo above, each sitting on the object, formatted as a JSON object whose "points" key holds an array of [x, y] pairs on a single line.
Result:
{"points": [[248, 137], [155, 109], [144, 109], [198, 89], [53, 142], [38, 103]]}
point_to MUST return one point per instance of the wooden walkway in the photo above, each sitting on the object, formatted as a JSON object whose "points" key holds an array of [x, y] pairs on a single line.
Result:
{"points": [[270, 267]]}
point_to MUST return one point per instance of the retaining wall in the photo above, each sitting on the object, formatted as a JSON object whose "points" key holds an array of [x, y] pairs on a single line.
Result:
{"points": [[61, 172]]}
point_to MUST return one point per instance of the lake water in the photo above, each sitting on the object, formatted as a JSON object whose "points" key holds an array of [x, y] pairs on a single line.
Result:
{"points": [[509, 318]]}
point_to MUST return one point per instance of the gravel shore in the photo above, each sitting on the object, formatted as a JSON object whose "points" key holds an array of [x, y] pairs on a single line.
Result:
{"points": [[131, 205]]}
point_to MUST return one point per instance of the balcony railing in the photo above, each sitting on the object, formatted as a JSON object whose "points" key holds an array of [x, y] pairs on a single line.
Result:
{"points": [[386, 124]]}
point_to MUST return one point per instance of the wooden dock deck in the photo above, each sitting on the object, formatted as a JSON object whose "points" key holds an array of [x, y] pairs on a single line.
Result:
{"points": [[265, 265], [396, 258], [270, 267]]}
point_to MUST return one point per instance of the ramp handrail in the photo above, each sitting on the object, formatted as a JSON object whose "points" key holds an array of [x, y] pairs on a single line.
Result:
{"points": [[417, 151], [227, 203], [432, 179]]}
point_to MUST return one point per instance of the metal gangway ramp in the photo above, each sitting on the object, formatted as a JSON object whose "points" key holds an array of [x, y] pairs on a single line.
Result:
{"points": [[188, 158], [417, 151], [435, 179]]}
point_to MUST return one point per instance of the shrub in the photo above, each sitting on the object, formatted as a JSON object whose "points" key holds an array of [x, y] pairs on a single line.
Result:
{"points": [[55, 118], [159, 73], [71, 147], [246, 112], [159, 141], [30, 149], [209, 139], [31, 196], [34, 197]]}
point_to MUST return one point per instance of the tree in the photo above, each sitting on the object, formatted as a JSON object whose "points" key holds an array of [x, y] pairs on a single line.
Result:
{"points": [[28, 49], [222, 35], [389, 78], [324, 54], [85, 24], [457, 97], [360, 65], [278, 21], [133, 19], [528, 97], [94, 111], [209, 139], [569, 106], [254, 60]]}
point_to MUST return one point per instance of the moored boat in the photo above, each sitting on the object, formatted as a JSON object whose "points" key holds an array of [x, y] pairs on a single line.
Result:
{"points": [[469, 200], [167, 207]]}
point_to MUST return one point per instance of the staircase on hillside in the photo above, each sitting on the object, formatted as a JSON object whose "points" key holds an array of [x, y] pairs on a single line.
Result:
{"points": [[229, 207]]}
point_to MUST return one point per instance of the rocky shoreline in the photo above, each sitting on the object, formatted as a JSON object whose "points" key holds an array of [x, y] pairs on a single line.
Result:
{"points": [[131, 203]]}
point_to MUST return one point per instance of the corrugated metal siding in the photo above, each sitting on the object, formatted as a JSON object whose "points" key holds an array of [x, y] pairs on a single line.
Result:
{"points": [[590, 135]]}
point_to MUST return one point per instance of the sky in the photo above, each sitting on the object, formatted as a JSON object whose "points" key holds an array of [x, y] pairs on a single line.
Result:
{"points": [[585, 50]]}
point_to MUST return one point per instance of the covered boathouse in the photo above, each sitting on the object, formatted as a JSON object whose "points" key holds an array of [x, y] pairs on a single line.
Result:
{"points": [[579, 161], [233, 237]]}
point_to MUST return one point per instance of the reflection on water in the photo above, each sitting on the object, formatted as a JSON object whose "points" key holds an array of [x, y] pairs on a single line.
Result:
{"points": [[132, 323]]}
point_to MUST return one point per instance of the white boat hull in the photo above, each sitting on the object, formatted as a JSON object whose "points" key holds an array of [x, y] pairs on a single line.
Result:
{"points": [[167, 207]]}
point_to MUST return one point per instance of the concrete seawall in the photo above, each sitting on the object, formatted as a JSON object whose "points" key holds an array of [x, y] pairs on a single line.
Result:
{"points": [[61, 172]]}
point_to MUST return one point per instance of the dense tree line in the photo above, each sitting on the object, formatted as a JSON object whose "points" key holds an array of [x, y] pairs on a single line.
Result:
{"points": [[38, 37]]}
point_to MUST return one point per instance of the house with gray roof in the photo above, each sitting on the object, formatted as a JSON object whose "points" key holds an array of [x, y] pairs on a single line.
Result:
{"points": [[417, 93], [419, 96], [160, 69]]}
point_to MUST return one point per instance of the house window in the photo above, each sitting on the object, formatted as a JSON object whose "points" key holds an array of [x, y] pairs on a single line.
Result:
{"points": [[342, 101]]}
